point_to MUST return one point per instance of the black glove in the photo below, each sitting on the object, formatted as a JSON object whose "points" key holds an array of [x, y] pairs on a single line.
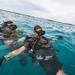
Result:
{"points": [[1, 60]]}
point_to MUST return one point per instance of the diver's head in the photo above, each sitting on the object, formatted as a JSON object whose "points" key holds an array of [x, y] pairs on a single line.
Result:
{"points": [[8, 23], [12, 27], [38, 31]]}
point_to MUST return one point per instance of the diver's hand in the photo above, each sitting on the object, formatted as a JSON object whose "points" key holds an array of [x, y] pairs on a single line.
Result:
{"points": [[1, 60]]}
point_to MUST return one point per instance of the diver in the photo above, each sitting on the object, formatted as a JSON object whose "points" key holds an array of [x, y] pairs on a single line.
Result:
{"points": [[10, 36], [40, 50], [7, 29]]}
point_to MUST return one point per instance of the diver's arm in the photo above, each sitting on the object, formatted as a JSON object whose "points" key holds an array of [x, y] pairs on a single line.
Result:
{"points": [[14, 53], [19, 40], [18, 51]]}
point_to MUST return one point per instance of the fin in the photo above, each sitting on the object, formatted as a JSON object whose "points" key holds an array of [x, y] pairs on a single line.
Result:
{"points": [[23, 59], [60, 37]]}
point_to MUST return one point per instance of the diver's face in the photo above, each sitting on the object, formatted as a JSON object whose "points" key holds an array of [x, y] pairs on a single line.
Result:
{"points": [[9, 24], [35, 32]]}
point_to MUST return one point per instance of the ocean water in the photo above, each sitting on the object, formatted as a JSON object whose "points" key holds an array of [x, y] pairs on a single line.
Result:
{"points": [[66, 46]]}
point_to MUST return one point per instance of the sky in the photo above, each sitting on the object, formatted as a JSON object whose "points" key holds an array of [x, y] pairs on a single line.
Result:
{"points": [[58, 10]]}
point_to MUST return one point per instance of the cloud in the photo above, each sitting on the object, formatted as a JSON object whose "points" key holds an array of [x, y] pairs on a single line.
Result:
{"points": [[34, 6], [67, 2], [59, 10], [21, 6]]}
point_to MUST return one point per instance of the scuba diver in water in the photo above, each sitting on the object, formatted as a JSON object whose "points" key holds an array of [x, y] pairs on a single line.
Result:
{"points": [[40, 50], [7, 29], [10, 36]]}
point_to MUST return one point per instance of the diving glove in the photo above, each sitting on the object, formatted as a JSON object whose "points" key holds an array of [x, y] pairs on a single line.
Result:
{"points": [[1, 60]]}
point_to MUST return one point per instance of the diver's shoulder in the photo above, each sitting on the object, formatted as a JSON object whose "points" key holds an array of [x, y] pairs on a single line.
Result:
{"points": [[28, 38]]}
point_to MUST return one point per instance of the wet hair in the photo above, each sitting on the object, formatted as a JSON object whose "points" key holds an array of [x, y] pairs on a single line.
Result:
{"points": [[7, 22], [37, 27]]}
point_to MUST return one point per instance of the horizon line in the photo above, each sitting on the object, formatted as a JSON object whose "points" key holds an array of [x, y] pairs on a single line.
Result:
{"points": [[36, 17]]}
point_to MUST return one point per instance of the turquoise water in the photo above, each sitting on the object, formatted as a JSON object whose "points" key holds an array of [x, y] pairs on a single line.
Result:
{"points": [[66, 46]]}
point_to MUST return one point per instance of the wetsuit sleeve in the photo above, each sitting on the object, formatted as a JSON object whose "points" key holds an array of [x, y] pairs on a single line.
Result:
{"points": [[26, 43]]}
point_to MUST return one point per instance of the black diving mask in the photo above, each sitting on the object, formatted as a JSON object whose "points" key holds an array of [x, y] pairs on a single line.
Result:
{"points": [[40, 32], [12, 27]]}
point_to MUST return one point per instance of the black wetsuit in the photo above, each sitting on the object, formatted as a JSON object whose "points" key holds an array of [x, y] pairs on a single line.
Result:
{"points": [[41, 47]]}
